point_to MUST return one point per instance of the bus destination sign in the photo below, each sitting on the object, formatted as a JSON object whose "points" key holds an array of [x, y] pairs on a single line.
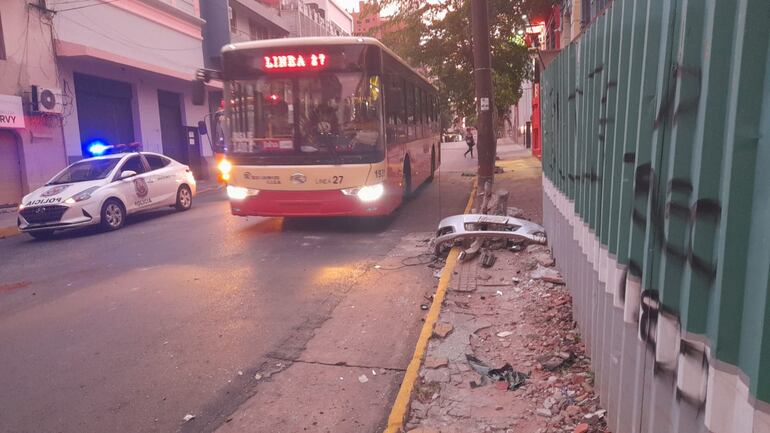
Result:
{"points": [[296, 61]]}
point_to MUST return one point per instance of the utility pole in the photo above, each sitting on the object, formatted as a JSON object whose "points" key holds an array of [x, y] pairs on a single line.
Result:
{"points": [[482, 77]]}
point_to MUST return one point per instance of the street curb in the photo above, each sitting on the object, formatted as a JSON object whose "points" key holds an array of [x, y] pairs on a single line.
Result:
{"points": [[401, 404], [7, 232], [216, 187]]}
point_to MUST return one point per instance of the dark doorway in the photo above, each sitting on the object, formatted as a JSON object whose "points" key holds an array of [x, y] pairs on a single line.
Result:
{"points": [[104, 111], [10, 170], [171, 129]]}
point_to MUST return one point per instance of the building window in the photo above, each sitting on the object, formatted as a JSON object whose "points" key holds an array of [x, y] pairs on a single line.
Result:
{"points": [[233, 19], [2, 41]]}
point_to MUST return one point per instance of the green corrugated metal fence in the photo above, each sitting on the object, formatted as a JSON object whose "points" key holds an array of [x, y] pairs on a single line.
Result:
{"points": [[656, 161]]}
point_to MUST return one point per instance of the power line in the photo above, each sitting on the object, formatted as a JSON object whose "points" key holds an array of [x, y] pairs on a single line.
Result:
{"points": [[116, 37], [101, 2]]}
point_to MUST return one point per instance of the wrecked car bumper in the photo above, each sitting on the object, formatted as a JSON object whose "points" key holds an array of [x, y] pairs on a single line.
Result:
{"points": [[472, 226]]}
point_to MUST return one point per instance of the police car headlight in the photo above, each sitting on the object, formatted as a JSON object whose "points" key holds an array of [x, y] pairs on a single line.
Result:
{"points": [[83, 195], [367, 193], [240, 193]]}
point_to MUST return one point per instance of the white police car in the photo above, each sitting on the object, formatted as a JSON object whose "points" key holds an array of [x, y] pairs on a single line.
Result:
{"points": [[103, 190]]}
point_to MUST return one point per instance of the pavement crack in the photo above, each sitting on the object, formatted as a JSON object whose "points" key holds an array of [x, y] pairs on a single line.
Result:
{"points": [[337, 364]]}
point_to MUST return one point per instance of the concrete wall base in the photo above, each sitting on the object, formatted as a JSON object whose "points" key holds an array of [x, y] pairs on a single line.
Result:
{"points": [[651, 377]]}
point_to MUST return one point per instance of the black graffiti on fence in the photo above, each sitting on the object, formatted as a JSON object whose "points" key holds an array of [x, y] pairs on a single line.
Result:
{"points": [[660, 211], [648, 318], [667, 109]]}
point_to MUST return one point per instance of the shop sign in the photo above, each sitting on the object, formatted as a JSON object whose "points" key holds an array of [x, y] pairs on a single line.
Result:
{"points": [[11, 112]]}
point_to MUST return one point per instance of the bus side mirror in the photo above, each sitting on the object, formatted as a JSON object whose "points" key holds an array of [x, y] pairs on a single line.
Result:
{"points": [[202, 129], [198, 92]]}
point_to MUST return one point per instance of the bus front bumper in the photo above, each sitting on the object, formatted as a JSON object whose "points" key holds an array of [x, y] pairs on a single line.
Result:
{"points": [[312, 204]]}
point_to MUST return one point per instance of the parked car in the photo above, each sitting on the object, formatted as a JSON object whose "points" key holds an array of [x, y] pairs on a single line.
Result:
{"points": [[104, 190]]}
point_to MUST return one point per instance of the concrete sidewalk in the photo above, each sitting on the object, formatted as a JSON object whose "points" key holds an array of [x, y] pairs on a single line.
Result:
{"points": [[8, 215], [517, 312]]}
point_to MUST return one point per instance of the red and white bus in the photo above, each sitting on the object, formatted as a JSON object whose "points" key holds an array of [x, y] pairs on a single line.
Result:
{"points": [[326, 126]]}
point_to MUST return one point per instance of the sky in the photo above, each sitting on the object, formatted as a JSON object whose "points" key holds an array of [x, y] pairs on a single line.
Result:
{"points": [[352, 5], [349, 5]]}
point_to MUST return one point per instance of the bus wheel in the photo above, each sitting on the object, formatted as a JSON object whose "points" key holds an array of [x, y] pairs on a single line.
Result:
{"points": [[432, 164], [407, 180]]}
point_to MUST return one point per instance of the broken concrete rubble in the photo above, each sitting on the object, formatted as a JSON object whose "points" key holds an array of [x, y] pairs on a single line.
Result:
{"points": [[442, 329], [550, 275], [434, 362], [527, 326]]}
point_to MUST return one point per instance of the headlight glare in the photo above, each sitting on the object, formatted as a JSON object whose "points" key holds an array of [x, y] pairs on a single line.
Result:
{"points": [[240, 193], [225, 167], [371, 193]]}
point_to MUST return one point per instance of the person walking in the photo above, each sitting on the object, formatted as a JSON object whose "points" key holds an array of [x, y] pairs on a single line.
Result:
{"points": [[470, 142]]}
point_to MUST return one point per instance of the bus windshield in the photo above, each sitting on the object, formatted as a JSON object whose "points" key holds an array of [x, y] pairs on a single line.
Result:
{"points": [[327, 117]]}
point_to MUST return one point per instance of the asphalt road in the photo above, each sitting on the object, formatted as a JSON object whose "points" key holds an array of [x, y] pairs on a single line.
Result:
{"points": [[131, 330]]}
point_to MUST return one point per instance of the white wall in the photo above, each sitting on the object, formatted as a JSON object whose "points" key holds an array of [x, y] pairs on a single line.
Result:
{"points": [[521, 113], [113, 30], [337, 15], [146, 116]]}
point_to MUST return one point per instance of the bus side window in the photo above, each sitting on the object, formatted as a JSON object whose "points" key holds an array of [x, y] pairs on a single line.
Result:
{"points": [[390, 120], [425, 114], [436, 116], [418, 111], [401, 133], [431, 110], [433, 114], [410, 109]]}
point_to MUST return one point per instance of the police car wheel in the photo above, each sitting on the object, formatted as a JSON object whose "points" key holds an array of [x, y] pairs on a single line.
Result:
{"points": [[183, 198], [113, 215], [41, 235]]}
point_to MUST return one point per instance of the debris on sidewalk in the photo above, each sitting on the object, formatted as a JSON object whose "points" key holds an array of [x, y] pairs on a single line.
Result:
{"points": [[363, 379], [188, 417], [549, 275], [487, 259], [505, 373], [442, 329], [509, 308], [433, 362], [470, 227]]}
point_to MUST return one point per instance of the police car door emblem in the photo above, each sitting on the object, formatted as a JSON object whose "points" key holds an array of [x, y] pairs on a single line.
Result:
{"points": [[140, 186], [298, 178]]}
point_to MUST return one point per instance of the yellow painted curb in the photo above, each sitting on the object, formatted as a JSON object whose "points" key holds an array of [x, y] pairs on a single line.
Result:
{"points": [[6, 232], [400, 406]]}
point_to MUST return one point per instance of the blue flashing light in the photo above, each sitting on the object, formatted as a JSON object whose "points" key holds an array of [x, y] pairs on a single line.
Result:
{"points": [[98, 148]]}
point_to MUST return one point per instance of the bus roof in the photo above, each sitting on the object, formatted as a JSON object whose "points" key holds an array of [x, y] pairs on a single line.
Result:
{"points": [[320, 40]]}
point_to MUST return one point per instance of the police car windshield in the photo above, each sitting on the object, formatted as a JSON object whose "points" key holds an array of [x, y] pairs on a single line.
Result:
{"points": [[84, 171]]}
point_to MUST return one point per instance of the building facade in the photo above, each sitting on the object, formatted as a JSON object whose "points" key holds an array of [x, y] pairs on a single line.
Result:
{"points": [[125, 70], [367, 20], [31, 141], [316, 18]]}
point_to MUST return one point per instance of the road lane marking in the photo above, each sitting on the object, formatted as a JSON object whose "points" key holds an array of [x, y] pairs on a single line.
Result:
{"points": [[401, 405]]}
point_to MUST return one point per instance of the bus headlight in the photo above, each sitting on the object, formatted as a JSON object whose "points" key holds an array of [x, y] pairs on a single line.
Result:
{"points": [[240, 193], [225, 167], [367, 193]]}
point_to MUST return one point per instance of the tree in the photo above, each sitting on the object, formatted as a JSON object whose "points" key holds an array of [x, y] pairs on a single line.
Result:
{"points": [[436, 37]]}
